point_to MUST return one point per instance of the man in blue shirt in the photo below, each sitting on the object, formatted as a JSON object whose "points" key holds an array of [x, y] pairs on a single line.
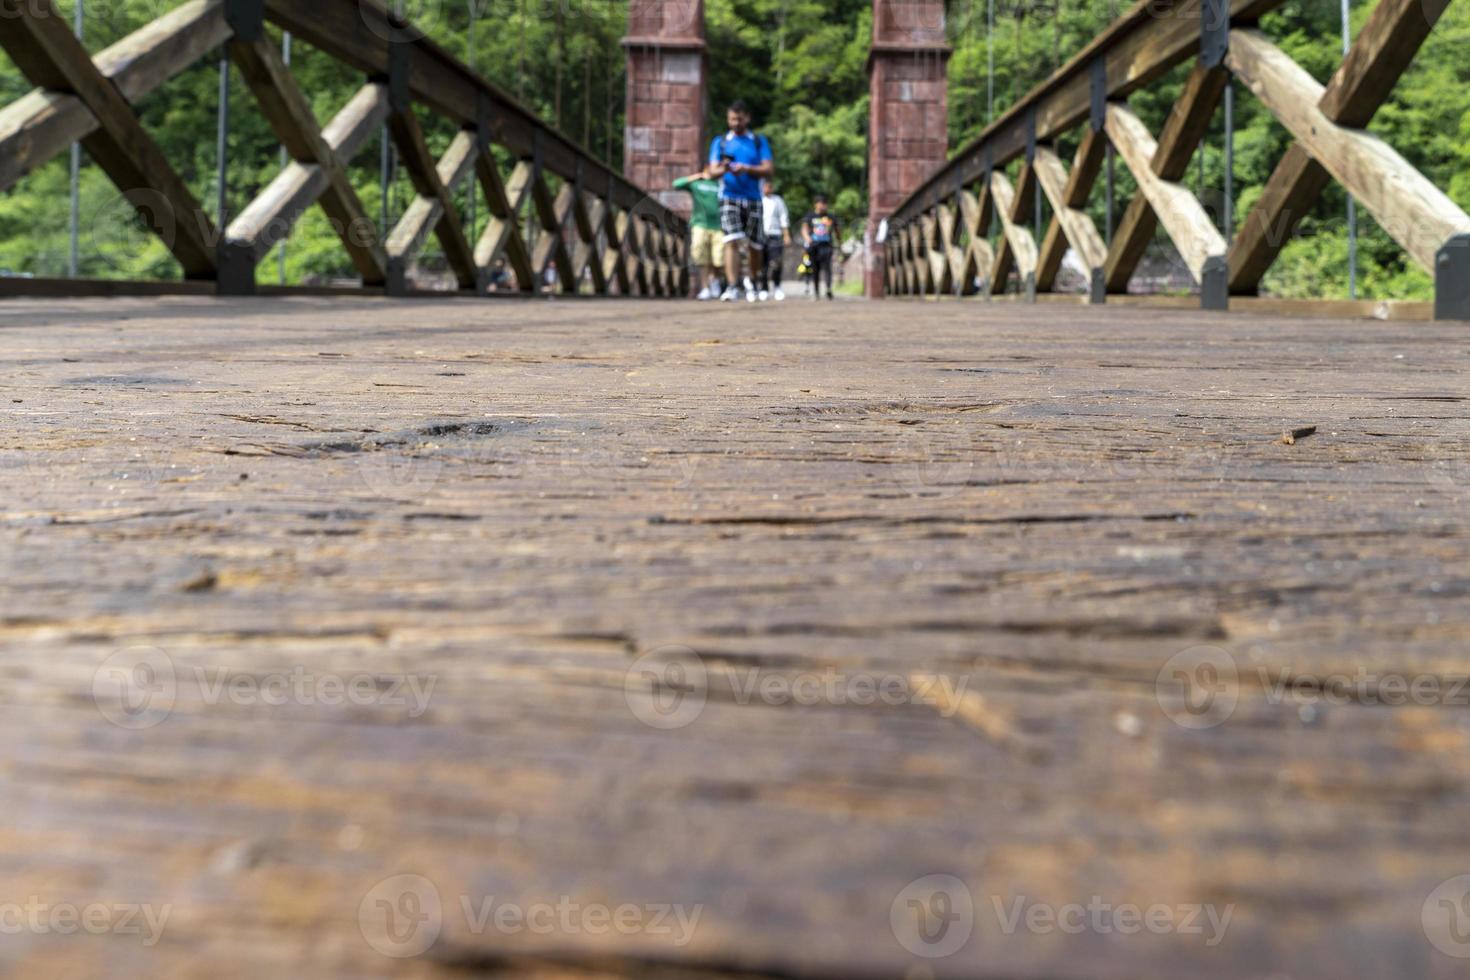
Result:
{"points": [[741, 159]]}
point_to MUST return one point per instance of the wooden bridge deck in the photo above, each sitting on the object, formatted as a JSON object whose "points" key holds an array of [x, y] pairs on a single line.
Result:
{"points": [[220, 517]]}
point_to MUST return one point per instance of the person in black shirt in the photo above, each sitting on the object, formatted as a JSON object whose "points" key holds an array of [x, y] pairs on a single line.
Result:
{"points": [[820, 234]]}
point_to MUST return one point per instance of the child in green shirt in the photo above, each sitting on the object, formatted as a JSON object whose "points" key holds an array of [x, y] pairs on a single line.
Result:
{"points": [[708, 245]]}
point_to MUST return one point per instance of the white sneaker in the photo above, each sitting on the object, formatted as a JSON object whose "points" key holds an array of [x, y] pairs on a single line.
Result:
{"points": [[749, 295], [729, 294], [762, 295], [704, 294], [778, 296]]}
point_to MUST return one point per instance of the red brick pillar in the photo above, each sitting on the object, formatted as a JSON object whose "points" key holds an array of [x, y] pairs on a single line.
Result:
{"points": [[908, 134], [664, 138]]}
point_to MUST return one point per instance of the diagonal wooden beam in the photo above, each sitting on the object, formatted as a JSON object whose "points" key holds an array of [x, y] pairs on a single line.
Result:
{"points": [[291, 118], [935, 264], [43, 47], [423, 173], [502, 235], [1069, 223], [276, 209], [1184, 219], [1383, 51], [41, 125], [614, 261], [586, 215], [978, 256], [425, 213], [1416, 213], [950, 228], [551, 247], [1018, 245], [1168, 162]]}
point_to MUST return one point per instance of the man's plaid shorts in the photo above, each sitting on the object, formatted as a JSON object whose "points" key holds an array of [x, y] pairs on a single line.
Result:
{"points": [[742, 219]]}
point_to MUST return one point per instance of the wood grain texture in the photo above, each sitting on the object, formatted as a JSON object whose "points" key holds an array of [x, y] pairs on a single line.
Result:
{"points": [[519, 500]]}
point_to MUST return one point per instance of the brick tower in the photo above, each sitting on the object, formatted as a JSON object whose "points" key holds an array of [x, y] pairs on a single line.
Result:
{"points": [[908, 132], [664, 138]]}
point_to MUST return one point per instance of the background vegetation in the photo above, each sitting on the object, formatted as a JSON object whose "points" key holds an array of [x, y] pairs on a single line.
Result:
{"points": [[801, 64]]}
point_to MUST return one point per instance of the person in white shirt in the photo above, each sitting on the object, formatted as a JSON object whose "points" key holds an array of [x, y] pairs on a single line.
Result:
{"points": [[777, 228]]}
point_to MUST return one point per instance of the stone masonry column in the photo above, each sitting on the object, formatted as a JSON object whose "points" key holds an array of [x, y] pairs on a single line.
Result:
{"points": [[664, 138], [908, 132]]}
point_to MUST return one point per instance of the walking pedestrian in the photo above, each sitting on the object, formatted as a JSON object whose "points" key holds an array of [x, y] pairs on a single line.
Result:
{"points": [[707, 245], [742, 158], [820, 233], [777, 228]]}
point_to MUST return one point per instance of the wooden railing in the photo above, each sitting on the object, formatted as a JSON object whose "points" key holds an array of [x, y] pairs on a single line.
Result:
{"points": [[938, 240], [598, 231]]}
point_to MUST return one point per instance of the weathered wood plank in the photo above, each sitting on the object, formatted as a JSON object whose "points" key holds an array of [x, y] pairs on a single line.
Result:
{"points": [[511, 505]]}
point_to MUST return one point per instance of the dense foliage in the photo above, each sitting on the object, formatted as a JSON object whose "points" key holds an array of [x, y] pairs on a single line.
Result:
{"points": [[801, 64]]}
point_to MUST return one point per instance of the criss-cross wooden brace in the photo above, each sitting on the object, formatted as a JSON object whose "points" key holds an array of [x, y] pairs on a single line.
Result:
{"points": [[551, 246], [614, 261], [428, 212], [1383, 51], [977, 212], [919, 266], [918, 257], [1017, 246], [936, 270], [434, 200], [41, 125], [586, 255], [1157, 168], [950, 234], [1070, 224], [502, 235], [653, 249], [317, 171], [1416, 213], [905, 263], [42, 46]]}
